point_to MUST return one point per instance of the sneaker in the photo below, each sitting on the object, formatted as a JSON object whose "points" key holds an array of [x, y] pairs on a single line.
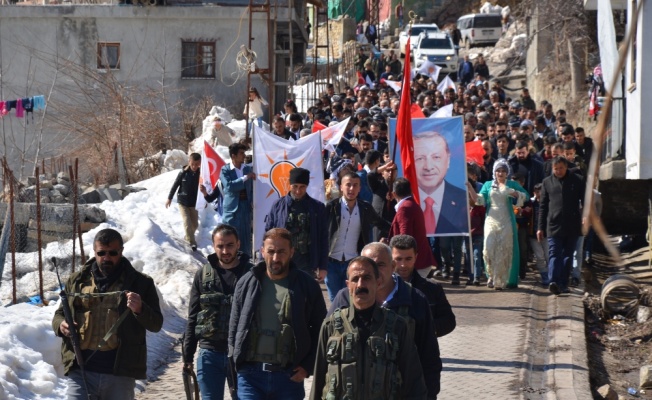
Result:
{"points": [[490, 284], [476, 282], [469, 282], [574, 282], [445, 274], [554, 289], [437, 272], [194, 247]]}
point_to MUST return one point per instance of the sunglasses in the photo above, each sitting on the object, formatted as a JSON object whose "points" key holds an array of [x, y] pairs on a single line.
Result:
{"points": [[501, 131], [112, 253]]}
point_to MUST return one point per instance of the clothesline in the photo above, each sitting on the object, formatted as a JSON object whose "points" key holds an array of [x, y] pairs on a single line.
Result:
{"points": [[27, 104]]}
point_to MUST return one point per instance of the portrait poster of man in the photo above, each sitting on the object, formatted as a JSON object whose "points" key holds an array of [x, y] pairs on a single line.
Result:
{"points": [[440, 162]]}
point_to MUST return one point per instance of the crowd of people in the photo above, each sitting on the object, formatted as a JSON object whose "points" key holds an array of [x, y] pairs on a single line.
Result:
{"points": [[258, 316]]}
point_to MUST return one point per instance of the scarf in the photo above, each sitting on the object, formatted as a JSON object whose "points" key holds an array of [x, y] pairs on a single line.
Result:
{"points": [[104, 282]]}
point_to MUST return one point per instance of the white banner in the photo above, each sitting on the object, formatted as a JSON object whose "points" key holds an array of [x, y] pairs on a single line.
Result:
{"points": [[446, 83], [430, 69], [273, 159], [444, 112], [332, 135]]}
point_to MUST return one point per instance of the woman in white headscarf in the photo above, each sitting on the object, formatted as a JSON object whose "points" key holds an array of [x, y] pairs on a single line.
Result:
{"points": [[501, 252]]}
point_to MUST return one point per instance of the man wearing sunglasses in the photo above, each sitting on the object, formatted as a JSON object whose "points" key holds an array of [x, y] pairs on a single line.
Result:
{"points": [[113, 306]]}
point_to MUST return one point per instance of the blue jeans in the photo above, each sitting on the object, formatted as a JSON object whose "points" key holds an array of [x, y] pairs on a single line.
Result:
{"points": [[100, 386], [256, 384], [560, 251], [211, 373], [448, 244], [477, 242], [335, 277], [588, 244], [578, 258]]}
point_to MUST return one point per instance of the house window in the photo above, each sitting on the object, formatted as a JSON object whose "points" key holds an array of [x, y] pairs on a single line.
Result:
{"points": [[197, 59], [108, 55]]}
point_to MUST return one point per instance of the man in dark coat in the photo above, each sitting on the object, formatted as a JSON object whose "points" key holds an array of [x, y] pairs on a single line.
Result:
{"points": [[560, 219], [524, 164], [108, 286], [409, 221], [349, 229], [305, 218], [209, 310], [187, 184], [276, 316], [404, 256]]}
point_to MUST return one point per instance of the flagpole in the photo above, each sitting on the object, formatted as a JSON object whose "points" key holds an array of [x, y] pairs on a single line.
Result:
{"points": [[253, 191]]}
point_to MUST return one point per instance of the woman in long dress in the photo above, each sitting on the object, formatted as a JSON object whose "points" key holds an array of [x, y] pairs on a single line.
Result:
{"points": [[501, 252]]}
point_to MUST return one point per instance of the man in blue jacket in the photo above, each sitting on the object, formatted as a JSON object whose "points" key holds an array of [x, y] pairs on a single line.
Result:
{"points": [[306, 219], [236, 179]]}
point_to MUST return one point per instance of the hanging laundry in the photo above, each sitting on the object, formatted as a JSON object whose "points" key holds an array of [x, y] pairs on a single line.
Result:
{"points": [[20, 112], [38, 102], [3, 109], [28, 104], [10, 104]]}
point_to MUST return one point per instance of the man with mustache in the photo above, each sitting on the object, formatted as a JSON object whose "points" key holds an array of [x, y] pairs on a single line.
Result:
{"points": [[397, 295], [106, 288], [366, 351], [276, 314]]}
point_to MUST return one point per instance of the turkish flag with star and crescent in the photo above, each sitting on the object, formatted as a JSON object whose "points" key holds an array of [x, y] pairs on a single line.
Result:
{"points": [[209, 174]]}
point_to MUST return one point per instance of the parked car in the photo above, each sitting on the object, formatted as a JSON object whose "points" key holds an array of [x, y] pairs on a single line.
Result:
{"points": [[413, 34], [438, 48], [480, 29]]}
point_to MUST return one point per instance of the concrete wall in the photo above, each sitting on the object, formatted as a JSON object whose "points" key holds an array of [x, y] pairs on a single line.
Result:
{"points": [[539, 54], [638, 146], [32, 38]]}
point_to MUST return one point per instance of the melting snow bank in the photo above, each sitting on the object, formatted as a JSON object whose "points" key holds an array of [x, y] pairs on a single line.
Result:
{"points": [[30, 359]]}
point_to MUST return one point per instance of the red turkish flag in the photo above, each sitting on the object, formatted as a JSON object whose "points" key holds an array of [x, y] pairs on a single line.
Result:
{"points": [[415, 111], [404, 129], [211, 167], [318, 126], [474, 152]]}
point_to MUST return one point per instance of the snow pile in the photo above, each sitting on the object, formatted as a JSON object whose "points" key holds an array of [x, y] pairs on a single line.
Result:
{"points": [[30, 360], [174, 159]]}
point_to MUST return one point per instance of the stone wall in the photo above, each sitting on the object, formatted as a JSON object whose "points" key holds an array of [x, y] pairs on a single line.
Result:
{"points": [[340, 31]]}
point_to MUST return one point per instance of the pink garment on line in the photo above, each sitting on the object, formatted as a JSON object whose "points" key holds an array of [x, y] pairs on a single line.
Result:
{"points": [[20, 111], [3, 109]]}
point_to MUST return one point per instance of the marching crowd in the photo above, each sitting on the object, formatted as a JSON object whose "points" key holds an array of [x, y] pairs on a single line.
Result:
{"points": [[258, 315]]}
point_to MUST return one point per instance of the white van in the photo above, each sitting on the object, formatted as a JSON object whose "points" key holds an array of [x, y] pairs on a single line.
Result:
{"points": [[483, 29]]}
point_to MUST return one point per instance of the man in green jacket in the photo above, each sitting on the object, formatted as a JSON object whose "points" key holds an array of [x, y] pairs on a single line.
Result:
{"points": [[112, 305]]}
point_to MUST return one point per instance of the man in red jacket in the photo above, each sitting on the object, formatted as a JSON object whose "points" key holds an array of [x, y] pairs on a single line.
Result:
{"points": [[409, 221]]}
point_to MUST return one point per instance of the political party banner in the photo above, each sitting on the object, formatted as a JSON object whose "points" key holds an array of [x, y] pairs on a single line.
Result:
{"points": [[440, 163], [209, 173], [445, 84], [430, 69], [273, 158]]}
